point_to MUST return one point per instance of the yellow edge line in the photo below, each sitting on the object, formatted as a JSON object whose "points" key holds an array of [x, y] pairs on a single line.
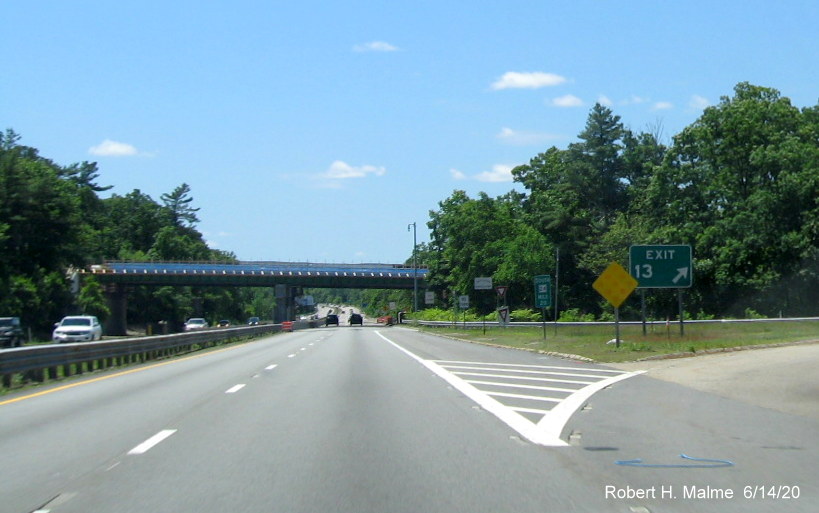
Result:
{"points": [[109, 376]]}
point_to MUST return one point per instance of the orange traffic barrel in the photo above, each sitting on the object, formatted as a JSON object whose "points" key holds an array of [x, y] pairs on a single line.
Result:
{"points": [[287, 326]]}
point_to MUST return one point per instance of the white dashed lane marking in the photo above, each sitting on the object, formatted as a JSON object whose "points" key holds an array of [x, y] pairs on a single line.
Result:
{"points": [[148, 444], [235, 388]]}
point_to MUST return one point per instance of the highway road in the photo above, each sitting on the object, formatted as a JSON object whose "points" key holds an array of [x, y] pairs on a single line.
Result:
{"points": [[375, 419]]}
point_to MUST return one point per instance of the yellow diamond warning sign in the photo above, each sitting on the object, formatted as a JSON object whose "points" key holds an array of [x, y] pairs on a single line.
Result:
{"points": [[615, 284]]}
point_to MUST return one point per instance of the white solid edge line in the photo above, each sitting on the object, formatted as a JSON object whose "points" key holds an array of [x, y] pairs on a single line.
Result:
{"points": [[552, 424], [235, 388], [458, 362], [511, 418], [151, 442]]}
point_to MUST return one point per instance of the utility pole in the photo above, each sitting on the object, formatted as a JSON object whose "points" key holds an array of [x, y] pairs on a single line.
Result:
{"points": [[414, 267]]}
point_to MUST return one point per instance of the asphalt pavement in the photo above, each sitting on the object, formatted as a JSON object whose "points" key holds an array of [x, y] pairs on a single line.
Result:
{"points": [[780, 378], [375, 419]]}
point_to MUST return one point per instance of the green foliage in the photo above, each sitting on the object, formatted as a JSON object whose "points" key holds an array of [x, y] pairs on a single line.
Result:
{"points": [[574, 315], [739, 185], [260, 303], [433, 314], [91, 299], [178, 205], [52, 220], [525, 315]]}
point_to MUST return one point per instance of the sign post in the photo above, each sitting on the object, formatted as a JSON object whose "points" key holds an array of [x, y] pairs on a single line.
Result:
{"points": [[503, 314], [543, 296], [483, 283], [662, 267], [615, 285], [504, 317], [463, 304]]}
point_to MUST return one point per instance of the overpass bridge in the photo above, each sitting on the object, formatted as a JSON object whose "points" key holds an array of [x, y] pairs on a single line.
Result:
{"points": [[258, 274], [288, 278]]}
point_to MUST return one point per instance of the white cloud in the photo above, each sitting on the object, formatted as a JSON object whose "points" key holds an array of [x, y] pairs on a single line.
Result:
{"points": [[375, 46], [341, 170], [634, 99], [568, 100], [662, 106], [698, 102], [517, 138], [604, 100], [109, 148], [535, 80], [499, 173]]}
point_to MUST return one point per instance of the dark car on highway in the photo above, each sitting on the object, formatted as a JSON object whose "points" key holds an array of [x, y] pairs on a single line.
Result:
{"points": [[356, 319], [11, 333], [331, 319]]}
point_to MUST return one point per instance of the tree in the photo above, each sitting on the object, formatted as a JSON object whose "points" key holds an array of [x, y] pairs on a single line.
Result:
{"points": [[178, 204], [41, 227], [740, 184], [135, 221], [576, 194]]}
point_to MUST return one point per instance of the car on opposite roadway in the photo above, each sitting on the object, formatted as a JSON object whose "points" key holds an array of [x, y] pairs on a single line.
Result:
{"points": [[356, 318], [224, 323], [253, 321], [77, 328], [331, 319], [196, 323], [11, 333]]}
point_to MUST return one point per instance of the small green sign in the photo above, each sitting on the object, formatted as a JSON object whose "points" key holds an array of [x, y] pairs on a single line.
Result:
{"points": [[661, 267], [543, 291]]}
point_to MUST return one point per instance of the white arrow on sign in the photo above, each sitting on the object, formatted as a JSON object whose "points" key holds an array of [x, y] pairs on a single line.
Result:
{"points": [[682, 272]]}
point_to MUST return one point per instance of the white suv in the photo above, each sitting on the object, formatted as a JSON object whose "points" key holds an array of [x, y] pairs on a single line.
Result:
{"points": [[196, 323], [77, 328]]}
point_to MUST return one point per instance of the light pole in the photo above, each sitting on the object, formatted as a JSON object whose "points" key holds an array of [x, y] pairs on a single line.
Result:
{"points": [[414, 268]]}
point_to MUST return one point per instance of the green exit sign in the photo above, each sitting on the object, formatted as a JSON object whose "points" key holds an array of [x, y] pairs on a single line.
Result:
{"points": [[661, 266]]}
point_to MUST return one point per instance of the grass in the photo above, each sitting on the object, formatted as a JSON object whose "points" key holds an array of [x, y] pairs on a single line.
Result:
{"points": [[590, 341]]}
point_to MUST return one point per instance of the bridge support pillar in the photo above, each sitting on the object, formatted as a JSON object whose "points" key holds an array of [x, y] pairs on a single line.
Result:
{"points": [[285, 303], [117, 321]]}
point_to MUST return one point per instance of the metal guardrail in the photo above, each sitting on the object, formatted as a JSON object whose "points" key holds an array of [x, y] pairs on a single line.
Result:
{"points": [[49, 361], [480, 324]]}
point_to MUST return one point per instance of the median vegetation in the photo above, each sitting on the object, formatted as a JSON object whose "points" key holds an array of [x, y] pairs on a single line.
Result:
{"points": [[591, 341]]}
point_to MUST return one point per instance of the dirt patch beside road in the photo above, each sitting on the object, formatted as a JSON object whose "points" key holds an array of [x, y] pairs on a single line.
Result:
{"points": [[783, 378]]}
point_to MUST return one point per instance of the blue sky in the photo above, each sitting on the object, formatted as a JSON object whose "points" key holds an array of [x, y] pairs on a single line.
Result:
{"points": [[317, 131]]}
